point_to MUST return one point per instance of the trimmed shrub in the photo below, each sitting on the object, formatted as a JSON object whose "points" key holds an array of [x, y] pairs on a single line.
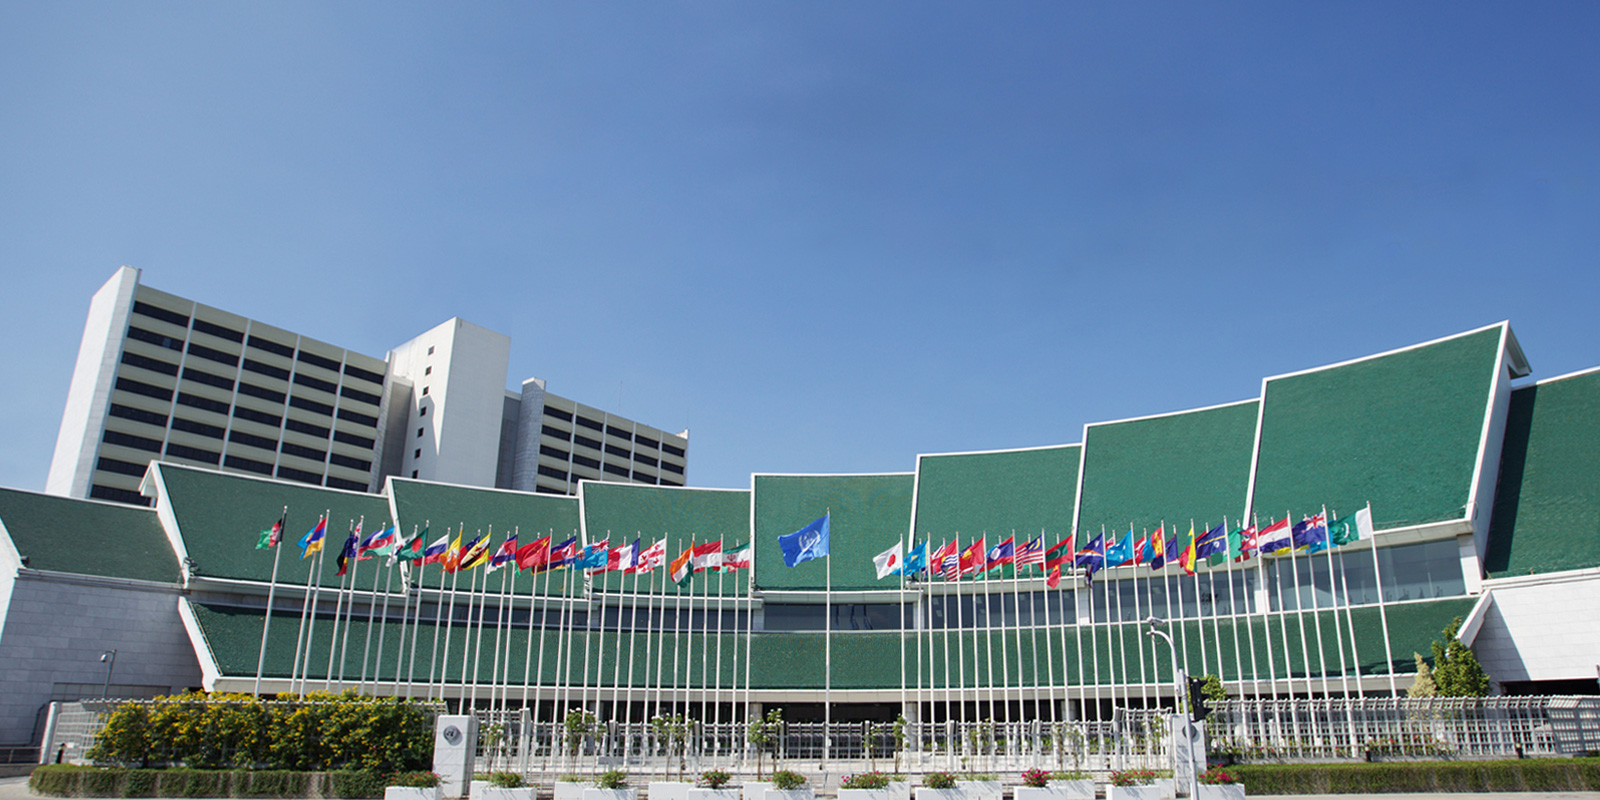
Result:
{"points": [[1524, 775]]}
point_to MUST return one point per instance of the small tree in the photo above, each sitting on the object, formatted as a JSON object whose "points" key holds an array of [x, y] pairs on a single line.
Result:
{"points": [[674, 731], [1455, 668], [763, 734], [1212, 689], [1424, 685], [579, 724], [899, 739]]}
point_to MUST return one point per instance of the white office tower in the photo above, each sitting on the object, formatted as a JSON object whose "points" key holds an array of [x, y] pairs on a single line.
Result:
{"points": [[160, 377]]}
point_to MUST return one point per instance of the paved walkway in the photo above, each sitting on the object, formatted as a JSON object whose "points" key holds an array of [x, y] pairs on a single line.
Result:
{"points": [[17, 789]]}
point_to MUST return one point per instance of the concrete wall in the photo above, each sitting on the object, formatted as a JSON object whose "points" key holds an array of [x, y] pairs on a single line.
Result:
{"points": [[1541, 629], [90, 392], [56, 627]]}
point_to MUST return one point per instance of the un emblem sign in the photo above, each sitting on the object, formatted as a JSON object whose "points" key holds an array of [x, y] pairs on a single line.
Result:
{"points": [[452, 735]]}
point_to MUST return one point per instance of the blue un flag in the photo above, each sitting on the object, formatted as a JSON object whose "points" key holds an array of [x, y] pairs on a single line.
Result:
{"points": [[807, 543]]}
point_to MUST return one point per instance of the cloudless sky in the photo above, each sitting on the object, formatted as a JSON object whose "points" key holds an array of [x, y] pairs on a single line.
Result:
{"points": [[825, 237]]}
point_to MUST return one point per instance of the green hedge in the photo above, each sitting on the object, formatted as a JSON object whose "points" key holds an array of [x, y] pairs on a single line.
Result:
{"points": [[323, 732], [1527, 775], [63, 780]]}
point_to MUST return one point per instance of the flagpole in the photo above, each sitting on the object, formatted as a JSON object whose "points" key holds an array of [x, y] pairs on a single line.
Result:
{"points": [[505, 624], [1338, 635], [717, 684], [305, 608], [450, 618], [527, 659], [1049, 645], [1383, 612], [338, 610], [1216, 623], [1233, 607], [1316, 607], [633, 641], [272, 590], [482, 596], [314, 577], [411, 615], [383, 624], [827, 635], [372, 605], [900, 613], [1139, 615], [496, 683], [440, 622]]}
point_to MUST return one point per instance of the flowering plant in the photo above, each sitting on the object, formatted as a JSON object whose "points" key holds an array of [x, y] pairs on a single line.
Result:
{"points": [[414, 779], [866, 780], [1216, 776], [714, 778], [939, 780], [1132, 777], [1036, 778]]}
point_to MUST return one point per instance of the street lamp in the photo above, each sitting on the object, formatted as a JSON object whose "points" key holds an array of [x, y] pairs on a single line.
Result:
{"points": [[1179, 693], [108, 658]]}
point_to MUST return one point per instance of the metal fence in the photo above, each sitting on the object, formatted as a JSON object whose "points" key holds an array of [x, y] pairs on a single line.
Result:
{"points": [[1334, 729]]}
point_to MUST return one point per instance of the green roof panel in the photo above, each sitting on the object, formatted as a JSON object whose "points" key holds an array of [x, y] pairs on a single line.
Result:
{"points": [[870, 513], [87, 537], [1025, 491], [624, 511]]}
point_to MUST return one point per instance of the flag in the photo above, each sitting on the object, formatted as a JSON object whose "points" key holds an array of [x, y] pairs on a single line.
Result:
{"points": [[944, 561], [1212, 542], [1352, 528], [450, 559], [1002, 553], [890, 561], [1031, 553], [534, 555], [271, 536], [1092, 557], [434, 553], [1155, 549], [1062, 554], [476, 554], [377, 541], [408, 550], [595, 555], [1186, 551], [507, 554], [349, 550], [1054, 579], [1121, 551], [916, 560], [1311, 533], [624, 557], [1174, 550], [707, 556], [1242, 544], [679, 570], [565, 554], [651, 557], [312, 541], [972, 558], [737, 558], [1276, 538], [807, 543]]}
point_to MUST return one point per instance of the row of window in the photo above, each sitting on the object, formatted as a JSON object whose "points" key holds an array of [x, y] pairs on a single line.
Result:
{"points": [[622, 472], [140, 388], [222, 332], [562, 455], [609, 430]]}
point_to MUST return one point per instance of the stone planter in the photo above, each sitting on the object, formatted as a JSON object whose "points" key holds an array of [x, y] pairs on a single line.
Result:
{"points": [[609, 794], [802, 793], [1168, 787], [754, 790], [899, 790], [925, 793], [981, 790], [725, 793], [475, 789], [1049, 792], [668, 790], [1082, 789], [570, 790], [411, 793], [865, 794], [1221, 791], [492, 792], [1144, 791]]}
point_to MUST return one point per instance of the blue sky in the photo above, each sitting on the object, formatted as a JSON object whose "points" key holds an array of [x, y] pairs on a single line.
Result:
{"points": [[825, 237]]}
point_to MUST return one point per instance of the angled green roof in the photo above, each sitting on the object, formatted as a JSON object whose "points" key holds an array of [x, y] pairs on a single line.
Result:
{"points": [[1400, 430], [624, 511], [1167, 469], [1026, 491], [87, 537], [220, 516], [1546, 518], [870, 513]]}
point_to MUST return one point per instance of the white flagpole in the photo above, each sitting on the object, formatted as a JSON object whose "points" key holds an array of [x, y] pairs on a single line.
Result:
{"points": [[505, 623], [1383, 612], [527, 658], [900, 614], [497, 680], [450, 620], [409, 616], [272, 591], [1350, 625], [306, 610], [469, 696], [1049, 645], [338, 613], [1216, 623], [633, 641], [1316, 611], [1233, 609], [350, 605], [827, 670], [1299, 610], [441, 623], [311, 624], [661, 630], [1139, 615], [961, 647], [1266, 608], [372, 606], [717, 684], [383, 624]]}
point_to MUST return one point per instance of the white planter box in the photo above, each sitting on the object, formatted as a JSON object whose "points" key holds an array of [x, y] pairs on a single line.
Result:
{"points": [[1168, 787], [755, 790], [981, 790], [492, 792], [725, 793], [900, 790], [411, 793], [668, 790], [608, 794], [802, 793], [865, 794], [1148, 791], [1076, 790], [1221, 791], [475, 789], [925, 793], [1039, 792], [570, 790]]}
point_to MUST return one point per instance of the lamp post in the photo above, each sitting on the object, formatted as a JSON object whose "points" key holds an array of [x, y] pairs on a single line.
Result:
{"points": [[1179, 694], [109, 658]]}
